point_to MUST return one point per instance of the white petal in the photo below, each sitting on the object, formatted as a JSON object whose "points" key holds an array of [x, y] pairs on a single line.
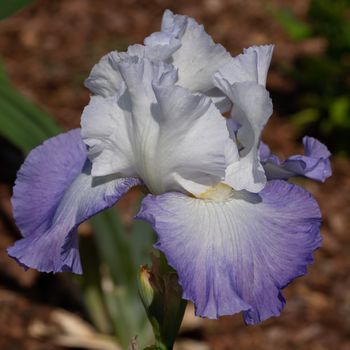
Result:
{"points": [[252, 109], [199, 57], [172, 139], [160, 46], [105, 79], [193, 140], [247, 174], [105, 126], [252, 65], [263, 57]]}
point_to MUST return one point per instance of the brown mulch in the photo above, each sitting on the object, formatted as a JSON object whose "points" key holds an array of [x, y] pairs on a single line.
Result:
{"points": [[16, 317], [48, 50]]}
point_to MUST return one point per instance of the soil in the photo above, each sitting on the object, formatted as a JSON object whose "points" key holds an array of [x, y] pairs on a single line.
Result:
{"points": [[48, 50]]}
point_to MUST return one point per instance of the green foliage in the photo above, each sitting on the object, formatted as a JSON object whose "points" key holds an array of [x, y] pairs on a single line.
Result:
{"points": [[23, 124], [295, 28], [110, 276], [330, 19], [323, 84], [9, 7]]}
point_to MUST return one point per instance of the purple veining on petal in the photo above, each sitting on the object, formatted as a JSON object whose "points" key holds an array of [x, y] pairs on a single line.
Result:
{"points": [[54, 193], [237, 255]]}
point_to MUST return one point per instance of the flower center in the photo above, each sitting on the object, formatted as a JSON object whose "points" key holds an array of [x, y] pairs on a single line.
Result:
{"points": [[217, 193]]}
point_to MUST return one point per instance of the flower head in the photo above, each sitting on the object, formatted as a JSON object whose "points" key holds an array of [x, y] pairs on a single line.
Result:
{"points": [[227, 220]]}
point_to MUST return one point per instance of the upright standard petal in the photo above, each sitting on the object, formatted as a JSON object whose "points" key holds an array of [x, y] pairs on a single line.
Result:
{"points": [[54, 193], [237, 254], [198, 57], [181, 42], [105, 129], [314, 164], [252, 66], [200, 148], [252, 108], [105, 79], [243, 80], [149, 129]]}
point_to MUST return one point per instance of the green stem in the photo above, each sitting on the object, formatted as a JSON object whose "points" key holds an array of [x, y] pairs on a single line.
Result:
{"points": [[161, 295]]}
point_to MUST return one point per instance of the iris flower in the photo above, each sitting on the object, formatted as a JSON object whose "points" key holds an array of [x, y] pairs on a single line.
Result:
{"points": [[231, 225]]}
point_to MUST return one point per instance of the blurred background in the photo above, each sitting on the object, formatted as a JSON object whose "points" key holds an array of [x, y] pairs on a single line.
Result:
{"points": [[47, 50]]}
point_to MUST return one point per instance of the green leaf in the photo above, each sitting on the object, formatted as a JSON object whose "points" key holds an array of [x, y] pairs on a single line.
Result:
{"points": [[305, 117], [9, 7], [295, 28], [91, 284], [3, 75], [113, 246], [40, 119], [23, 124], [121, 253], [339, 111]]}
